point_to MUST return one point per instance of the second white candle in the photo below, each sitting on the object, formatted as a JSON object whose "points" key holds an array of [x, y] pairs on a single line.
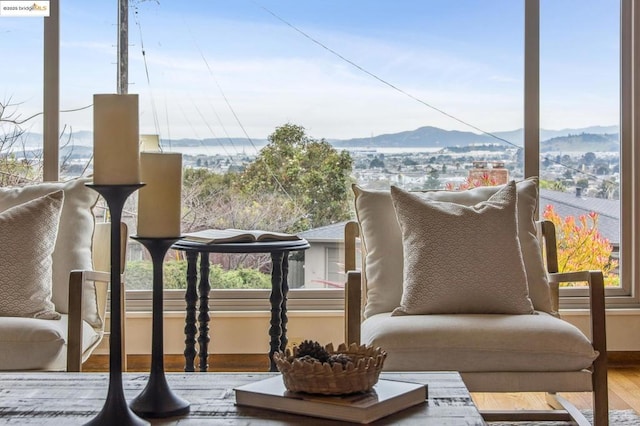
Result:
{"points": [[159, 200]]}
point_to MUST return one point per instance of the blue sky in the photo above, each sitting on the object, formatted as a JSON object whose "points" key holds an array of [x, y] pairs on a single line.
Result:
{"points": [[464, 57]]}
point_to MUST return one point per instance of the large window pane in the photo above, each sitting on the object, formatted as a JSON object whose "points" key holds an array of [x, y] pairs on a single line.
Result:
{"points": [[579, 141], [21, 45], [407, 87]]}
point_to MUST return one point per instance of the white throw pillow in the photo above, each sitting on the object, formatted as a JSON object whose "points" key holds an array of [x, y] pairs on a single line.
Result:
{"points": [[29, 234], [75, 238], [382, 242], [461, 259]]}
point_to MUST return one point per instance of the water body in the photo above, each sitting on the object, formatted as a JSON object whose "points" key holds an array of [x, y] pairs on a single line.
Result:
{"points": [[232, 150]]}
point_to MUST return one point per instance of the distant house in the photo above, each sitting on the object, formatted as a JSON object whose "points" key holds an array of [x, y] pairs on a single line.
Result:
{"points": [[324, 260]]}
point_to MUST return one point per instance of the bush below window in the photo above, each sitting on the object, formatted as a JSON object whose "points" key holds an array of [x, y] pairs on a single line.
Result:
{"points": [[139, 276]]}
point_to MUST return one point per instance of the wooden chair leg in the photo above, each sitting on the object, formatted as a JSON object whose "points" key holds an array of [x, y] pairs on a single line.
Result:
{"points": [[600, 392], [74, 328]]}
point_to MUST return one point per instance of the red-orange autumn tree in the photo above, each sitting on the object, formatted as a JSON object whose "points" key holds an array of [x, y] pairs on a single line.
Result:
{"points": [[581, 246], [484, 180]]}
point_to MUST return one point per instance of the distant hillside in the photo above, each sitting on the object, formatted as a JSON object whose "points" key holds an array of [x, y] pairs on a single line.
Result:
{"points": [[582, 142], [517, 136], [424, 136]]}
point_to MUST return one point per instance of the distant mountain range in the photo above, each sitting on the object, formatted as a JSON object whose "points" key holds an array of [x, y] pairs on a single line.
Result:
{"points": [[435, 137], [594, 138]]}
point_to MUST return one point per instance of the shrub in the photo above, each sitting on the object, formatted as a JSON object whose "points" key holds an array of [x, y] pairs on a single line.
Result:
{"points": [[139, 276], [580, 245]]}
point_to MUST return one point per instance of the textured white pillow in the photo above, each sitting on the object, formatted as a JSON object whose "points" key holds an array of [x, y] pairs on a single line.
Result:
{"points": [[75, 238], [28, 233], [461, 259], [382, 242]]}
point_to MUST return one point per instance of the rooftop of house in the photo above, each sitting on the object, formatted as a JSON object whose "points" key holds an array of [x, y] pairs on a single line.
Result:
{"points": [[572, 204], [325, 234]]}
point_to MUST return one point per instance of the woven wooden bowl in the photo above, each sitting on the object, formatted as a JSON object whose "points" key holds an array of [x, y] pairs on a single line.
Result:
{"points": [[323, 378]]}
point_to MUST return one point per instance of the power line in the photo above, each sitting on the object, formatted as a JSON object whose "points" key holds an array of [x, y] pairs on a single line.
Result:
{"points": [[154, 111], [233, 112], [380, 79], [404, 92]]}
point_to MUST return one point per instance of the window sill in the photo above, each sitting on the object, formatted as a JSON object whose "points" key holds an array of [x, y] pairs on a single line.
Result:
{"points": [[241, 300]]}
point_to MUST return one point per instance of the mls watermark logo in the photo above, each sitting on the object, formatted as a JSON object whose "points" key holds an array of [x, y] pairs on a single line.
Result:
{"points": [[23, 8]]}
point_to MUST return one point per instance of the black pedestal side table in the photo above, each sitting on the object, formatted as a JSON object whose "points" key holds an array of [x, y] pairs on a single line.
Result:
{"points": [[279, 251]]}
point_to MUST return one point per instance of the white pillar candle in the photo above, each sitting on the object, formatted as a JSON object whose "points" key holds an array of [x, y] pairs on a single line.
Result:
{"points": [[160, 199], [149, 143], [116, 154]]}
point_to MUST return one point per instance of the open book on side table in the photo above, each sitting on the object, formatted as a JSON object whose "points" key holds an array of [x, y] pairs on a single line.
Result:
{"points": [[386, 397], [221, 236]]}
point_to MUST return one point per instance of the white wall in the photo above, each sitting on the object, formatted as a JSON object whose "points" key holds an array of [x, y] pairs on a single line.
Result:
{"points": [[247, 332]]}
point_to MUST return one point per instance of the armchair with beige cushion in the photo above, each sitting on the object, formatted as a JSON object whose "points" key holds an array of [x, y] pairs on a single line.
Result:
{"points": [[53, 284], [456, 281]]}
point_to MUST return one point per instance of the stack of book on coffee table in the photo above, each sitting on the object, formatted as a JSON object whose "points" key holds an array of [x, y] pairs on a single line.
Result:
{"points": [[386, 397]]}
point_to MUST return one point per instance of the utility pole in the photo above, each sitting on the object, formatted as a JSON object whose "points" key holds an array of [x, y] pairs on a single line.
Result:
{"points": [[123, 47]]}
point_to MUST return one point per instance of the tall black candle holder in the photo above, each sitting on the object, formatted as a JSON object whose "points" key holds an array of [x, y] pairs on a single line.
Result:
{"points": [[157, 399], [115, 410]]}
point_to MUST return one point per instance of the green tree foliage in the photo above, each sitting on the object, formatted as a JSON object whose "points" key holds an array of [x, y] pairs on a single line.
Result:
{"points": [[377, 163], [582, 183], [212, 200], [554, 185], [589, 158], [310, 173], [433, 180], [609, 190]]}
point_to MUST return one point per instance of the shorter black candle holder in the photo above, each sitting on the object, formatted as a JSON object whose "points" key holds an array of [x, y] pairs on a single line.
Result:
{"points": [[157, 400]]}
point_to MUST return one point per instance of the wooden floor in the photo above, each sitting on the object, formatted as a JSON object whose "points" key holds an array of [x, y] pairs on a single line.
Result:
{"points": [[624, 380], [624, 394]]}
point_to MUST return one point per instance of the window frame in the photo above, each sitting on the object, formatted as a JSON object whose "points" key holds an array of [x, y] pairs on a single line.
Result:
{"points": [[628, 295]]}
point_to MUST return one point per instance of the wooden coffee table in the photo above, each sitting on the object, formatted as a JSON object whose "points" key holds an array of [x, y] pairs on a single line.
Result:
{"points": [[75, 398]]}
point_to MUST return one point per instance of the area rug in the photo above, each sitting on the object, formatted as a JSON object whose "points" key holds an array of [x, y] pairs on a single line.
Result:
{"points": [[616, 418]]}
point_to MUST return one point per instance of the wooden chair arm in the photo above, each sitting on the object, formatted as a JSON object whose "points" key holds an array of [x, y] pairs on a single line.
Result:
{"points": [[595, 280], [100, 281], [351, 233], [74, 327], [353, 307], [353, 286]]}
